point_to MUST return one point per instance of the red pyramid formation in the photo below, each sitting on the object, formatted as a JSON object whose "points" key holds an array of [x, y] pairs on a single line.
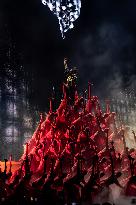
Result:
{"points": [[78, 146]]}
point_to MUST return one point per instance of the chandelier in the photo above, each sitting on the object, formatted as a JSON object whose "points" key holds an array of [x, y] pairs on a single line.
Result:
{"points": [[67, 11]]}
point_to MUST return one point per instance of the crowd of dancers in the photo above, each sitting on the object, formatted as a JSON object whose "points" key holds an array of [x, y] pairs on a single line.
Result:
{"points": [[74, 157]]}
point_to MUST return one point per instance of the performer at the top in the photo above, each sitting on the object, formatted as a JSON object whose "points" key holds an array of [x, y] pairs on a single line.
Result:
{"points": [[70, 84]]}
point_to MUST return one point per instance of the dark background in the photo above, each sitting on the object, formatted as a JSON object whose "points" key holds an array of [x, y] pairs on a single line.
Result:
{"points": [[102, 45]]}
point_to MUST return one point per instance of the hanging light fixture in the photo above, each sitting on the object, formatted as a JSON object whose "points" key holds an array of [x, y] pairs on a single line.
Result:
{"points": [[67, 11]]}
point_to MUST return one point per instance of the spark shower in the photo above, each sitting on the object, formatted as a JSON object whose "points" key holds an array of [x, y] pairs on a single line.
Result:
{"points": [[67, 11]]}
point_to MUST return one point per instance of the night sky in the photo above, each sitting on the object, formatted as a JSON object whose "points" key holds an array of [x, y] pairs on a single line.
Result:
{"points": [[102, 45]]}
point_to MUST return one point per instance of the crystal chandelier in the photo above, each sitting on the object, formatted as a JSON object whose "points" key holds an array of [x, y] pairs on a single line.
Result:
{"points": [[67, 11]]}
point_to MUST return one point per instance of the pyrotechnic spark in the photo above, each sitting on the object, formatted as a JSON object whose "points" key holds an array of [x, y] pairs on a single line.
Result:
{"points": [[27, 136], [11, 134], [27, 122], [12, 109], [67, 11], [10, 130]]}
